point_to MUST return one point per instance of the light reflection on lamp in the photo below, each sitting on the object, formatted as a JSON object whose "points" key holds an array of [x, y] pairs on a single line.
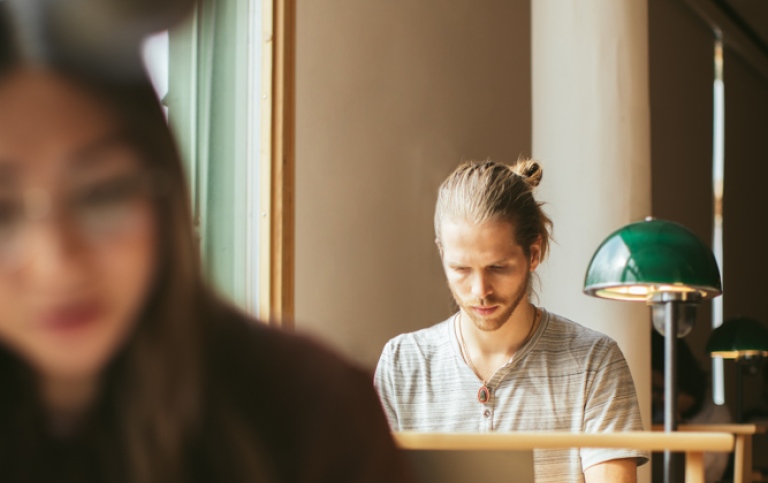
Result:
{"points": [[666, 266]]}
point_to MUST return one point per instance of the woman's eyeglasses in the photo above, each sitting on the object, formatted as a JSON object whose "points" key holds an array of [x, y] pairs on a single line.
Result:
{"points": [[96, 211]]}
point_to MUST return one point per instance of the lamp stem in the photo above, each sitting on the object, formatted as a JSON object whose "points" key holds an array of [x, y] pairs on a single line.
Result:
{"points": [[671, 313], [739, 391]]}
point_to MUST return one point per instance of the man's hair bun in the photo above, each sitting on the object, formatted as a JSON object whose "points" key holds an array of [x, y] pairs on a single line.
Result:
{"points": [[530, 170]]}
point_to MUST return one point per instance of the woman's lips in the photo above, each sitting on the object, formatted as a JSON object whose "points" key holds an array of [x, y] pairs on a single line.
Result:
{"points": [[70, 318], [485, 311]]}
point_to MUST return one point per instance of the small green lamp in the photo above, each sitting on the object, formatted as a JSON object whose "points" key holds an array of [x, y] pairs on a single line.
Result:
{"points": [[667, 266], [745, 340]]}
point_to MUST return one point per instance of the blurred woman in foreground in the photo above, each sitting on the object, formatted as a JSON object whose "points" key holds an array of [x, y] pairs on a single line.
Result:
{"points": [[117, 362]]}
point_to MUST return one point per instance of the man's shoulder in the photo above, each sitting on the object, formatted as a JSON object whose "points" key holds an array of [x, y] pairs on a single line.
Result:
{"points": [[414, 354], [436, 335], [563, 328], [580, 341]]}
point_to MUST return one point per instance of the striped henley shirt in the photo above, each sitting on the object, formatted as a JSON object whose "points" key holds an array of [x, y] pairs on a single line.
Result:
{"points": [[565, 378]]}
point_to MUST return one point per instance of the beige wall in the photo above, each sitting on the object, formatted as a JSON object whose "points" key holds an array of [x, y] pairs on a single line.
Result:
{"points": [[591, 127], [391, 95]]}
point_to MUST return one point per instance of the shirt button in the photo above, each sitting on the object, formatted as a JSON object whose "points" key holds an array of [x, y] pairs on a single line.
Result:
{"points": [[487, 413]]}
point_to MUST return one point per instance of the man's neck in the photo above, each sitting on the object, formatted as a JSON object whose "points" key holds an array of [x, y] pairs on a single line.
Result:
{"points": [[490, 349]]}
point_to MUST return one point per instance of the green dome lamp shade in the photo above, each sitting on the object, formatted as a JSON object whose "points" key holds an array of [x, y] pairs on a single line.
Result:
{"points": [[746, 341], [737, 338], [665, 265], [645, 259]]}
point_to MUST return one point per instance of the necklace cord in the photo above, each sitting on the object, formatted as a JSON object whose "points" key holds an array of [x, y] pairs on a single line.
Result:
{"points": [[465, 352]]}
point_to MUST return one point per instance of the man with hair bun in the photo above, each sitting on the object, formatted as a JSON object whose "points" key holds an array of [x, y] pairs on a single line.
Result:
{"points": [[501, 363]]}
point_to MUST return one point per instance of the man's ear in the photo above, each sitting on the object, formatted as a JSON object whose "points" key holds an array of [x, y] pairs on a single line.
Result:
{"points": [[535, 252], [439, 247]]}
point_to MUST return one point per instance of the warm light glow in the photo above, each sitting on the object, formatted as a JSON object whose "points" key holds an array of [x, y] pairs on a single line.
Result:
{"points": [[644, 291], [675, 288], [624, 293], [739, 354]]}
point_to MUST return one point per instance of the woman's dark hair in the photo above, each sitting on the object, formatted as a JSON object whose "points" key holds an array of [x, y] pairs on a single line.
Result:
{"points": [[7, 50], [159, 369]]}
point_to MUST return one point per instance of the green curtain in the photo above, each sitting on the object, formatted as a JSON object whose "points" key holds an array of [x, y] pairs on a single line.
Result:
{"points": [[208, 110]]}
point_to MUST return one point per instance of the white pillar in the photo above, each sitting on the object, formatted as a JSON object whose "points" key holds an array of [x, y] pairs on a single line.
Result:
{"points": [[591, 131]]}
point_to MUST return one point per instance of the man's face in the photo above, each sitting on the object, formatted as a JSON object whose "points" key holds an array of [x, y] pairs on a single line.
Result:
{"points": [[487, 271]]}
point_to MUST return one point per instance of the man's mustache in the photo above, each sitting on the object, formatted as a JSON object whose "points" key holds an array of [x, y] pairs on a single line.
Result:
{"points": [[484, 302]]}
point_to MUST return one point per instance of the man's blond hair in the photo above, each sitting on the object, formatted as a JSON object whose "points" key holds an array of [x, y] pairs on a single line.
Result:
{"points": [[478, 192]]}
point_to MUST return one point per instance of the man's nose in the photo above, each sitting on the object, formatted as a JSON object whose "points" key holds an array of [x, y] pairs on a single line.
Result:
{"points": [[481, 286]]}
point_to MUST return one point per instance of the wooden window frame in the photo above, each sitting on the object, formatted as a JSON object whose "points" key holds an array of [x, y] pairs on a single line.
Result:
{"points": [[277, 242]]}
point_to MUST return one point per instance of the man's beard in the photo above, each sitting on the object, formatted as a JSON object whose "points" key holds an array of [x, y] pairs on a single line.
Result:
{"points": [[496, 320]]}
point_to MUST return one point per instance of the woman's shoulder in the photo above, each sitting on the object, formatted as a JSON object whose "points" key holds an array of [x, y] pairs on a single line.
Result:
{"points": [[306, 403], [246, 345]]}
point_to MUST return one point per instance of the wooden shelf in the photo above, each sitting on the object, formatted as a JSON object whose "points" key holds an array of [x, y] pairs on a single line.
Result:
{"points": [[693, 445], [743, 433]]}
